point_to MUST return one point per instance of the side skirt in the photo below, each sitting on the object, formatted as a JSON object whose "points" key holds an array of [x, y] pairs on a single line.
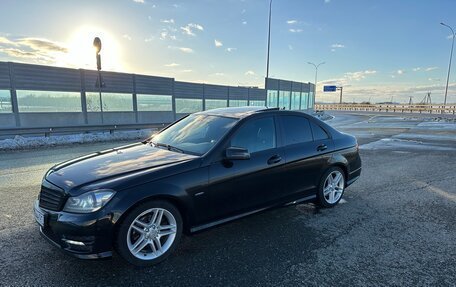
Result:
{"points": [[228, 219]]}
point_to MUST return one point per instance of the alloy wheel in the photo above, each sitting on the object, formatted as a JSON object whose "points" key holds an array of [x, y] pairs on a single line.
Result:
{"points": [[151, 234], [333, 187]]}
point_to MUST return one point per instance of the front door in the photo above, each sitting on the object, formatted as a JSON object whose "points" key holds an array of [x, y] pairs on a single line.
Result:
{"points": [[240, 186]]}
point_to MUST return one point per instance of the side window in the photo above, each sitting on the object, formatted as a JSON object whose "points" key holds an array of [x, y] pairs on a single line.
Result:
{"points": [[296, 129], [318, 132], [256, 135]]}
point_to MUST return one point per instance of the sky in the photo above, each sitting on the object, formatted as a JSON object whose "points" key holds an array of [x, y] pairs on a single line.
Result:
{"points": [[378, 50]]}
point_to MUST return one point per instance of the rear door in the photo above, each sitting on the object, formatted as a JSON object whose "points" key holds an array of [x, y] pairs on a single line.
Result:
{"points": [[306, 157]]}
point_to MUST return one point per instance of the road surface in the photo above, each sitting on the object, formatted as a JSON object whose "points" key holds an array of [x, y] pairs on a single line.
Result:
{"points": [[396, 225]]}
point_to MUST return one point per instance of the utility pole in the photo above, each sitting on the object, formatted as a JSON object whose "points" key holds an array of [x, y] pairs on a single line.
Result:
{"points": [[269, 39], [449, 65]]}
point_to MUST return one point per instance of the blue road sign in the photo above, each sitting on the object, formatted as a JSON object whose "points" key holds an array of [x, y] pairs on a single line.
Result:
{"points": [[329, 88]]}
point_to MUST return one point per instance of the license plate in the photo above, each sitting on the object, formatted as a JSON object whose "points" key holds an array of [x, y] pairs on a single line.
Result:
{"points": [[39, 217]]}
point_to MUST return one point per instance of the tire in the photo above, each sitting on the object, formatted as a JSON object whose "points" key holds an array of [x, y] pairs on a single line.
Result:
{"points": [[331, 192], [144, 241]]}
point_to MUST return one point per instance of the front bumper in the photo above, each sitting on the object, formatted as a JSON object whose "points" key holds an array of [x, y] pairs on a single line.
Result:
{"points": [[86, 236]]}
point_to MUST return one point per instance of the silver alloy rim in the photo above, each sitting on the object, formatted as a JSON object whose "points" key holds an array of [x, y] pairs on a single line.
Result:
{"points": [[333, 187], [151, 234]]}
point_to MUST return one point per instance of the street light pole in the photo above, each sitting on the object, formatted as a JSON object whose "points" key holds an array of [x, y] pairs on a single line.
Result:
{"points": [[316, 74], [269, 40], [449, 65], [97, 46]]}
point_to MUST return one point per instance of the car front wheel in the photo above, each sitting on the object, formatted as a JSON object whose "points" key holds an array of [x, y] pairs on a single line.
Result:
{"points": [[331, 187], [149, 233]]}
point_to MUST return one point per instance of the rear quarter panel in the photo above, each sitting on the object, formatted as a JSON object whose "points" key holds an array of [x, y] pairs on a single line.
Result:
{"points": [[346, 153]]}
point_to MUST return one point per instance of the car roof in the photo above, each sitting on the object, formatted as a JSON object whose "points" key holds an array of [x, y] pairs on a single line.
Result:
{"points": [[236, 112]]}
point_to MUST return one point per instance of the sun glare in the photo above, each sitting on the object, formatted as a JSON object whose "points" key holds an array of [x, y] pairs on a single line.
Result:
{"points": [[81, 52]]}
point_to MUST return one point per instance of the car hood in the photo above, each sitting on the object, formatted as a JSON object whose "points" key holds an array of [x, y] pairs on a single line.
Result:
{"points": [[111, 163]]}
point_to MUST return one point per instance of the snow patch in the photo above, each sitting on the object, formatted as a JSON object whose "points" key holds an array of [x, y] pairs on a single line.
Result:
{"points": [[321, 115], [394, 143], [19, 142]]}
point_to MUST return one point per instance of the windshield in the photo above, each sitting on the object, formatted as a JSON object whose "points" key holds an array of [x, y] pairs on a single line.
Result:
{"points": [[195, 134]]}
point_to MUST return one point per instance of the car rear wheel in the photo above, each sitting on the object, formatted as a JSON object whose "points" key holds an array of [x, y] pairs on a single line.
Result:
{"points": [[331, 188], [149, 233]]}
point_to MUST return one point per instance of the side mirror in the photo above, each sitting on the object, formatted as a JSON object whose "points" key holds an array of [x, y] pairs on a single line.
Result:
{"points": [[234, 153]]}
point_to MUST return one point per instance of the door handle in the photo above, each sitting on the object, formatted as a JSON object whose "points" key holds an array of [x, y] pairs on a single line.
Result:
{"points": [[321, 147], [274, 159]]}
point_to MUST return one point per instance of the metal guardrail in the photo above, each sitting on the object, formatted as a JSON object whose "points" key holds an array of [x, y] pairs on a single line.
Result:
{"points": [[77, 129], [431, 109]]}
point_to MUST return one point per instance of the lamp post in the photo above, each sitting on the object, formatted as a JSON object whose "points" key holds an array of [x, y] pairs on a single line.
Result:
{"points": [[97, 45], [269, 40], [316, 74], [449, 65]]}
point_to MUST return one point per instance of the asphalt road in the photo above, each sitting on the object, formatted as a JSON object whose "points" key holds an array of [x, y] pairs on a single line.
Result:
{"points": [[396, 225]]}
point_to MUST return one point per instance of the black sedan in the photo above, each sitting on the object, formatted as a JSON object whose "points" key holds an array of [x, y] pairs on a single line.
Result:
{"points": [[203, 170]]}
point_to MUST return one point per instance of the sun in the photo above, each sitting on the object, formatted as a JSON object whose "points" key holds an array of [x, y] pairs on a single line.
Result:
{"points": [[81, 53]]}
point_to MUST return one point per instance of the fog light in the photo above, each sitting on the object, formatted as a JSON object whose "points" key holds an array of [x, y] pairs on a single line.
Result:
{"points": [[73, 242]]}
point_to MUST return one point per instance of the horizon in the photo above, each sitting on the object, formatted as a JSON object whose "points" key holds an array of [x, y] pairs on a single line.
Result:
{"points": [[385, 50]]}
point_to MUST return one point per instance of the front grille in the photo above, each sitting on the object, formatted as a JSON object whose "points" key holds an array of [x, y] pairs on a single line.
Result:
{"points": [[51, 197]]}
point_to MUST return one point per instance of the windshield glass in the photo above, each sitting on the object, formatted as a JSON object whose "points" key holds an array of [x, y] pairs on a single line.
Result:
{"points": [[195, 134]]}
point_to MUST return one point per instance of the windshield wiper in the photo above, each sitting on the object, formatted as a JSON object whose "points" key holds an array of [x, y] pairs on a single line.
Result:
{"points": [[167, 146]]}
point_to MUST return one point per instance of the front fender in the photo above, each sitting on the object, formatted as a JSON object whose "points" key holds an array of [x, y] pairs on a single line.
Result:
{"points": [[179, 190]]}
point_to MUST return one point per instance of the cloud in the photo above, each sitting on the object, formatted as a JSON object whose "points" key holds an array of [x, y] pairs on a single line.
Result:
{"points": [[416, 69], [449, 37], [219, 74], [166, 35], [379, 93], [400, 72], [292, 30], [290, 47], [139, 1], [431, 69], [243, 11], [249, 73], [357, 76], [231, 49], [190, 28], [244, 22], [187, 71], [337, 46], [291, 22], [42, 45], [126, 36], [327, 1], [6, 41], [39, 50], [167, 21], [187, 30], [185, 50], [217, 43], [172, 65], [182, 49], [196, 26], [17, 53]]}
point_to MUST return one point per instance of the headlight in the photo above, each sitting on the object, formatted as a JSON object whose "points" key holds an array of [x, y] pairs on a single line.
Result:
{"points": [[89, 202]]}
